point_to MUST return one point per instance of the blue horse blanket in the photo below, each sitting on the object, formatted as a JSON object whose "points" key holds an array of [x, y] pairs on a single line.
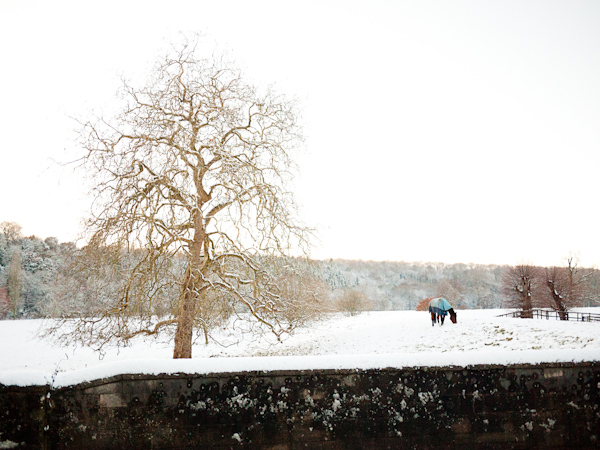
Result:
{"points": [[439, 306]]}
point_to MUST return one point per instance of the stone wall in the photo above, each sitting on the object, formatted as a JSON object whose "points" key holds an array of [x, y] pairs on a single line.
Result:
{"points": [[483, 407]]}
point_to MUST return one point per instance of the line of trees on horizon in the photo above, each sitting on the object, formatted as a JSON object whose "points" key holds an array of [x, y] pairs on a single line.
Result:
{"points": [[44, 278]]}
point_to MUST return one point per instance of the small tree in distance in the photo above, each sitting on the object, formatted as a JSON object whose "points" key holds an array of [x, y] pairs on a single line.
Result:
{"points": [[191, 178], [423, 305], [12, 231], [566, 287], [520, 283], [352, 301]]}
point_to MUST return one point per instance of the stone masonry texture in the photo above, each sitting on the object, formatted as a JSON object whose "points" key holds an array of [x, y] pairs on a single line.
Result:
{"points": [[554, 406]]}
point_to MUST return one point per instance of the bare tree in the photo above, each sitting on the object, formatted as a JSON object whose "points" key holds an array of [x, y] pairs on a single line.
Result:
{"points": [[192, 176], [12, 231], [352, 301], [557, 287], [567, 287], [520, 283]]}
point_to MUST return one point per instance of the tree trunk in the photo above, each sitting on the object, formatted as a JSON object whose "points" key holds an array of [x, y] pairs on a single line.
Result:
{"points": [[559, 303], [562, 311], [205, 335], [185, 324], [559, 306], [186, 315], [527, 311]]}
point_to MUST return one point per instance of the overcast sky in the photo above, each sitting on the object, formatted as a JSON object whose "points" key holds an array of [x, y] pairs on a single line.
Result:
{"points": [[452, 131]]}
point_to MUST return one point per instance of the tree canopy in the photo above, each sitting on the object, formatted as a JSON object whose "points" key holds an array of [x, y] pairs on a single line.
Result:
{"points": [[191, 176]]}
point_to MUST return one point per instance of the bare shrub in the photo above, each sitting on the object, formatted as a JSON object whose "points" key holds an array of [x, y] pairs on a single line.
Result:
{"points": [[423, 305], [352, 301]]}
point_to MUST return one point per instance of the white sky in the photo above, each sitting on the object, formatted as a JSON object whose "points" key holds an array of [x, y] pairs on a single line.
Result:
{"points": [[454, 131]]}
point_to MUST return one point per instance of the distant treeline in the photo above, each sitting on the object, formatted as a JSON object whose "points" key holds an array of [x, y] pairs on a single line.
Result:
{"points": [[34, 274], [401, 285], [28, 270]]}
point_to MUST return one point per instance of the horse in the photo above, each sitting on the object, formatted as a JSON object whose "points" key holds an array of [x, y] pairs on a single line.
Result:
{"points": [[439, 307]]}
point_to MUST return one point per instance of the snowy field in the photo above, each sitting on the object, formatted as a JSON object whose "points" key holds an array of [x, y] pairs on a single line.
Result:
{"points": [[370, 340]]}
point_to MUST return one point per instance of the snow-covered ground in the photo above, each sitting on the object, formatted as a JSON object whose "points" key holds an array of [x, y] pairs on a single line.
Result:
{"points": [[370, 340]]}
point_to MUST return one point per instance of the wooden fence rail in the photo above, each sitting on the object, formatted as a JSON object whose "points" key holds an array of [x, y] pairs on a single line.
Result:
{"points": [[557, 315]]}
